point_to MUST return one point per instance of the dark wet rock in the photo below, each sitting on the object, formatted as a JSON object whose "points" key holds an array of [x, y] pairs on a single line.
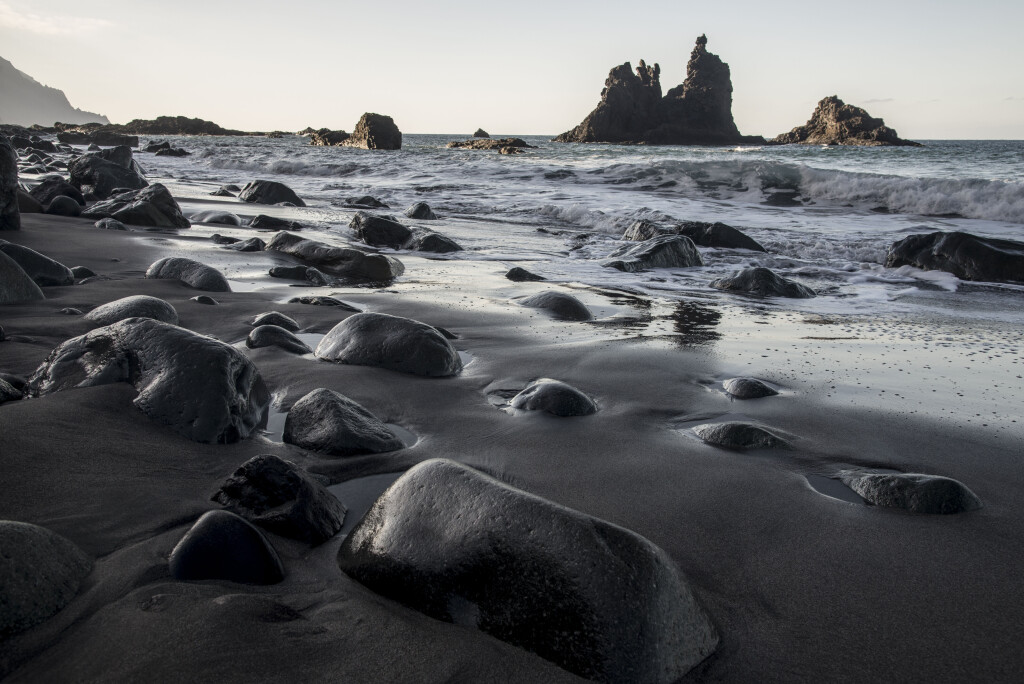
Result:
{"points": [[110, 224], [135, 306], [421, 211], [764, 282], [224, 218], [224, 239], [375, 132], [554, 397], [16, 285], [153, 206], [644, 229], [120, 155], [339, 261], [100, 177], [521, 275], [276, 336], [200, 387], [594, 598], [837, 123], [173, 152], [192, 273], [325, 137], [269, 192], [276, 318], [966, 256], [490, 144], [231, 187], [309, 274], [156, 146], [81, 272], [64, 206], [10, 214], [481, 133], [70, 311], [281, 497], [42, 269], [364, 202], [426, 240], [93, 147], [224, 546], [560, 305], [330, 423], [632, 109], [205, 299], [9, 392], [101, 138], [222, 192], [510, 150], [264, 222], [321, 300], [40, 572], [27, 204], [55, 186], [393, 342], [379, 231], [717, 235], [253, 244], [737, 435], [664, 251], [748, 388], [914, 492]]}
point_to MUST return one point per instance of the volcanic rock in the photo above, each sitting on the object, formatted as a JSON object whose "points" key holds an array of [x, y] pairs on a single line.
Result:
{"points": [[42, 269], [173, 152], [426, 240], [375, 132], [222, 192], [321, 300], [560, 305], [27, 204], [135, 306], [393, 342], [664, 251], [269, 192], [325, 137], [152, 206], [310, 274], [737, 435], [596, 599], [156, 146], [253, 244], [16, 285], [264, 222], [276, 336], [364, 202], [192, 273], [717, 235], [53, 187], [490, 144], [64, 206], [520, 275], [836, 123], [224, 546], [379, 231], [644, 229], [481, 133], [764, 282], [421, 211], [224, 218], [914, 492], [120, 155], [966, 256], [200, 387], [330, 423], [748, 388], [10, 214], [339, 261], [276, 318], [554, 397], [100, 177]]}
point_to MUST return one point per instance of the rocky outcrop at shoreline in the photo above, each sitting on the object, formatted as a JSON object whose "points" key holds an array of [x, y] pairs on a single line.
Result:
{"points": [[836, 123], [696, 112]]}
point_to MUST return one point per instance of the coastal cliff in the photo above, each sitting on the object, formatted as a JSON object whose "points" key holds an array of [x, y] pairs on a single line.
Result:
{"points": [[25, 101]]}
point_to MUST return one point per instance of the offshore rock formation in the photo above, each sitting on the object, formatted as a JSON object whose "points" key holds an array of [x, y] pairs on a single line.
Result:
{"points": [[162, 125], [836, 123], [632, 109], [375, 132]]}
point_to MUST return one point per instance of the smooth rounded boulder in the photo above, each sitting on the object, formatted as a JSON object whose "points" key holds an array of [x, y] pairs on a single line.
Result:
{"points": [[421, 211], [225, 546], [40, 572], [379, 231], [192, 273], [393, 342], [596, 599], [135, 306], [560, 305], [748, 388], [199, 387], [276, 336], [222, 218], [426, 240], [16, 285], [281, 497], [343, 262], [63, 206], [269, 192], [517, 274], [276, 318], [763, 282], [554, 397], [330, 423], [966, 256], [40, 268], [663, 251], [739, 435], [914, 492]]}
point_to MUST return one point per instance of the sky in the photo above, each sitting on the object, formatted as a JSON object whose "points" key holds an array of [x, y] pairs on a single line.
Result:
{"points": [[932, 70]]}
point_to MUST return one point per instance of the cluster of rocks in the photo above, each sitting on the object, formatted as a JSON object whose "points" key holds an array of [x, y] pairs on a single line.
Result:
{"points": [[834, 122], [162, 125], [386, 231], [502, 145], [372, 132]]}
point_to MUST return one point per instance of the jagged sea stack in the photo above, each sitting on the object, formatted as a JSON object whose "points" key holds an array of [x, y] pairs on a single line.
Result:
{"points": [[696, 112], [837, 123]]}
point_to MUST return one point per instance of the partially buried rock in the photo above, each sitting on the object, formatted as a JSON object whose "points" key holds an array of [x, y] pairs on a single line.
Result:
{"points": [[192, 273], [340, 261], [135, 306], [173, 152], [560, 305], [426, 240], [64, 206], [364, 202], [737, 435], [276, 336], [253, 244], [596, 599], [224, 546], [375, 132], [42, 269], [205, 299], [322, 300], [16, 285], [225, 218], [966, 256], [264, 222], [40, 572], [554, 397], [154, 206], [279, 496], [400, 344], [222, 192], [81, 272], [110, 224], [27, 204], [10, 214], [276, 318], [9, 392], [379, 231], [717, 235], [748, 388], [664, 251], [200, 387], [330, 423], [421, 211], [269, 192], [764, 282], [912, 492], [311, 275], [520, 275]]}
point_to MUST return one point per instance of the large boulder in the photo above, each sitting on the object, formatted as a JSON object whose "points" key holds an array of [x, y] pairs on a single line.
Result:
{"points": [[224, 546], [279, 496], [40, 572], [98, 176], [16, 285], [663, 251], [401, 344], [120, 155], [340, 261], [596, 599], [481, 133], [330, 423], [834, 122], [200, 387], [269, 192], [192, 273], [560, 305], [135, 306], [379, 231], [554, 397], [64, 206], [644, 229], [717, 235], [10, 214], [764, 282], [426, 240], [375, 132], [914, 492], [964, 255], [153, 206], [28, 204], [42, 269], [52, 187]]}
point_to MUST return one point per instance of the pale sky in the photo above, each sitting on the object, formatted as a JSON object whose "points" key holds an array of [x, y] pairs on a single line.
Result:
{"points": [[932, 70]]}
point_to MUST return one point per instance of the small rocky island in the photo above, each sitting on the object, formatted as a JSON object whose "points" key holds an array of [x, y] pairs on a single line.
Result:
{"points": [[372, 132], [837, 123], [632, 109]]}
